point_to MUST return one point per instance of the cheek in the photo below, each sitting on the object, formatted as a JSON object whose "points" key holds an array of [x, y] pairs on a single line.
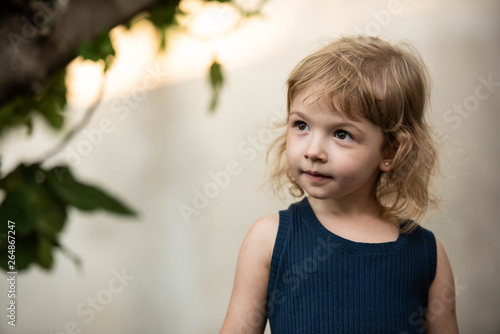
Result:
{"points": [[347, 160], [354, 166], [290, 148], [291, 156]]}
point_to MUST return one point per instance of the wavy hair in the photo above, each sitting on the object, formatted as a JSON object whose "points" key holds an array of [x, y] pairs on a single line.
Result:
{"points": [[389, 86]]}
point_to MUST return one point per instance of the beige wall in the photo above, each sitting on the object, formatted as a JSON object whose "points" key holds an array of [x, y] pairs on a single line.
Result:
{"points": [[168, 144]]}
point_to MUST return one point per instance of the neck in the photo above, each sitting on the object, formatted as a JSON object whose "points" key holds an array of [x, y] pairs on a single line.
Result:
{"points": [[347, 208]]}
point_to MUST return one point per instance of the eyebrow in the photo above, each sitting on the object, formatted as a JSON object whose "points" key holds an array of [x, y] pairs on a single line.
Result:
{"points": [[337, 124]]}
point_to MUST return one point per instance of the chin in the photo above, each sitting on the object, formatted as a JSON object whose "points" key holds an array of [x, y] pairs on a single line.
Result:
{"points": [[319, 194]]}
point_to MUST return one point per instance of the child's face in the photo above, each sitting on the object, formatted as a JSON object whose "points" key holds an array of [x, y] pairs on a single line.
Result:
{"points": [[347, 153]]}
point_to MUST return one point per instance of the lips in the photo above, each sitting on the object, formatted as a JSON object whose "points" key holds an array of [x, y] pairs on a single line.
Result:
{"points": [[314, 173], [316, 177]]}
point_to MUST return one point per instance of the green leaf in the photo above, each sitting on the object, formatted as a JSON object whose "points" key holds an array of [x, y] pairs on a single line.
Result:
{"points": [[19, 204], [53, 100], [18, 178], [19, 207], [24, 203], [16, 112], [25, 252], [163, 40], [44, 252], [163, 16], [97, 49], [49, 103], [216, 82], [83, 196], [36, 201], [51, 210], [216, 78]]}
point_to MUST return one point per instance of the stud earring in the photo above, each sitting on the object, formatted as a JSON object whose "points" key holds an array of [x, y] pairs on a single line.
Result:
{"points": [[386, 163]]}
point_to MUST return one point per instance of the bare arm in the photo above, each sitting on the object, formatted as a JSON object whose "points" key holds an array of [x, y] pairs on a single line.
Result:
{"points": [[441, 312], [247, 308]]}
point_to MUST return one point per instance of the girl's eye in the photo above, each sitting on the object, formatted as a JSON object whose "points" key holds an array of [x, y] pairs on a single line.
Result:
{"points": [[301, 126], [343, 135]]}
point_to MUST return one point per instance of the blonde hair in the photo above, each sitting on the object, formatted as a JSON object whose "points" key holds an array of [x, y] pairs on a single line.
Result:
{"points": [[389, 86]]}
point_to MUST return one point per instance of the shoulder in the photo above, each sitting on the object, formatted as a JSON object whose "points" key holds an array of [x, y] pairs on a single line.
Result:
{"points": [[247, 306], [441, 311], [261, 236], [444, 273], [443, 266], [441, 255], [267, 222]]}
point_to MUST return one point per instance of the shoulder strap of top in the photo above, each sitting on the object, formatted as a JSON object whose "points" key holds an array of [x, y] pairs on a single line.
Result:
{"points": [[285, 223], [430, 241], [429, 244]]}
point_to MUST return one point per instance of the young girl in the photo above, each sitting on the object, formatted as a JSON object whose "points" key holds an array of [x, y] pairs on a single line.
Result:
{"points": [[350, 257]]}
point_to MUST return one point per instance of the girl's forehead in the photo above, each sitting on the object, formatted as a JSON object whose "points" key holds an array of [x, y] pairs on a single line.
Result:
{"points": [[312, 102], [327, 118]]}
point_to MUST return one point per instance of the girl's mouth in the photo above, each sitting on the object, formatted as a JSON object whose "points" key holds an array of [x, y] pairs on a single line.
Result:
{"points": [[315, 176]]}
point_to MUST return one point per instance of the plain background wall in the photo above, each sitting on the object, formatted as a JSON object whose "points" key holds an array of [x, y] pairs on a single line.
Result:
{"points": [[164, 146]]}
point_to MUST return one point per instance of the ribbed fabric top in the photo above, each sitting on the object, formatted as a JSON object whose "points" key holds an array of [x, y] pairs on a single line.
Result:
{"points": [[322, 283]]}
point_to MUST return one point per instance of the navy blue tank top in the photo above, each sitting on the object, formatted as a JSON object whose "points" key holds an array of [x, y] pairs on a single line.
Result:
{"points": [[322, 283]]}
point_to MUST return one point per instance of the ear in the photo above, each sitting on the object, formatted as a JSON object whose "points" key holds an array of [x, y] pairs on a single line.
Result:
{"points": [[388, 154], [385, 165]]}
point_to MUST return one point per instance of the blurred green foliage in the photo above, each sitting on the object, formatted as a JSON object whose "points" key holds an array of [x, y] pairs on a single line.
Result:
{"points": [[37, 200], [162, 17], [216, 82], [98, 49], [49, 103]]}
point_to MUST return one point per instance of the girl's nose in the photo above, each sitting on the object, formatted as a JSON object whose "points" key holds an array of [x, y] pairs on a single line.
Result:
{"points": [[315, 151]]}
